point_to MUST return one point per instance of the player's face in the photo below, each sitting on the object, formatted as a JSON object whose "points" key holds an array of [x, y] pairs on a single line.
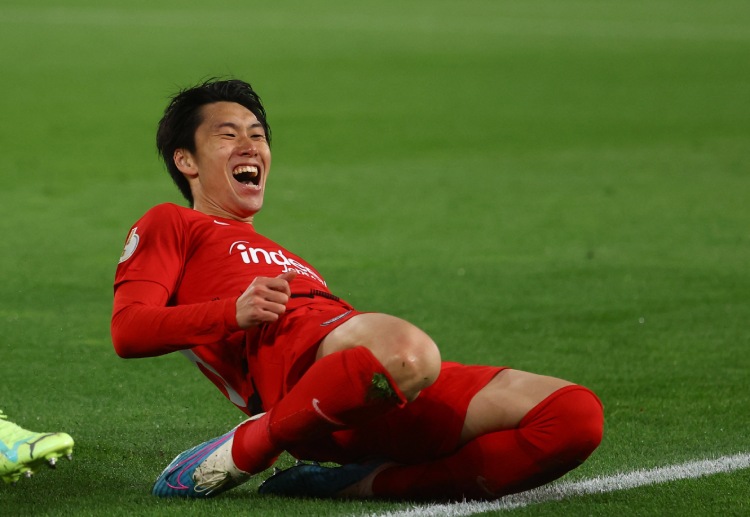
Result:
{"points": [[230, 166]]}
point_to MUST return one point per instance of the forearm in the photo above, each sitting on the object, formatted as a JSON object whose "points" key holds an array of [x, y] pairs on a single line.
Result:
{"points": [[142, 326]]}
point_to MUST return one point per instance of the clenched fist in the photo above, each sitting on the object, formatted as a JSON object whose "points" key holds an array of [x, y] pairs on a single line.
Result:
{"points": [[264, 300]]}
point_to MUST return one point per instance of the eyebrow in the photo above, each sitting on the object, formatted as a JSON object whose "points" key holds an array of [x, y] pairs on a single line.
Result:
{"points": [[232, 125]]}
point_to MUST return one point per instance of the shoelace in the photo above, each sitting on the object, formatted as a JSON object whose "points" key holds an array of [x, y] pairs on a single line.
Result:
{"points": [[212, 482]]}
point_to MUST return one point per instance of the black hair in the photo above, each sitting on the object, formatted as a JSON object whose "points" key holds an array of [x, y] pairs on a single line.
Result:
{"points": [[183, 116]]}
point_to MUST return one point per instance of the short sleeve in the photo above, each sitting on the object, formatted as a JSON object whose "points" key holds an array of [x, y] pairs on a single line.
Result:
{"points": [[155, 249]]}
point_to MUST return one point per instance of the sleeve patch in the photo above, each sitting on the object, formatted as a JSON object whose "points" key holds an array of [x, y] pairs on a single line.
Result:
{"points": [[130, 245]]}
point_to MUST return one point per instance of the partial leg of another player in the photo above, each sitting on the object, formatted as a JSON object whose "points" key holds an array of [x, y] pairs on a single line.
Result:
{"points": [[22, 452]]}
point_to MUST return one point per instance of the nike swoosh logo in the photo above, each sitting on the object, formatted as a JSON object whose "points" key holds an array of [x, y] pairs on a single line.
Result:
{"points": [[334, 320], [316, 407]]}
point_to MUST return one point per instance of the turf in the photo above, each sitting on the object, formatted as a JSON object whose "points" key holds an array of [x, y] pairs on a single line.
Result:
{"points": [[557, 186]]}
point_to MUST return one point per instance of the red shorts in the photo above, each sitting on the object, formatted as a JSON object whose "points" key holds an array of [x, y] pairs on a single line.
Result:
{"points": [[279, 354], [423, 430]]}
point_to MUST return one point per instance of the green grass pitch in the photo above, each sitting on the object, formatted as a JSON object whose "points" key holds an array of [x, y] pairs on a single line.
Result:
{"points": [[559, 186]]}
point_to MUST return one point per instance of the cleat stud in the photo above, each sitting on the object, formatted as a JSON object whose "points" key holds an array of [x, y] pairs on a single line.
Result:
{"points": [[298, 463], [28, 474], [52, 462], [316, 463], [276, 470], [69, 456]]}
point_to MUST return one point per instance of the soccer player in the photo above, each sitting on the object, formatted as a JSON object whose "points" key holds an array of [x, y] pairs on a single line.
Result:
{"points": [[22, 452], [319, 378]]}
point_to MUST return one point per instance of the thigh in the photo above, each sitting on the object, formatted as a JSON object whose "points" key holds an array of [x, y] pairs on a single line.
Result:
{"points": [[505, 400], [382, 333]]}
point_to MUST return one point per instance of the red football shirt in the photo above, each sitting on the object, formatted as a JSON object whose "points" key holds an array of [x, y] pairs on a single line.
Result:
{"points": [[179, 248], [202, 264]]}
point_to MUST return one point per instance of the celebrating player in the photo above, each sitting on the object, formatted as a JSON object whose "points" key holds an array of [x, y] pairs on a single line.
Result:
{"points": [[319, 378]]}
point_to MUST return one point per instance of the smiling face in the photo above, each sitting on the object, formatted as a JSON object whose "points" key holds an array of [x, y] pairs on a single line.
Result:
{"points": [[229, 168]]}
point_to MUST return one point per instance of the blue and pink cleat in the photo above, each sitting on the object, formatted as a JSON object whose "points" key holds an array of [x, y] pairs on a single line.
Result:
{"points": [[204, 471]]}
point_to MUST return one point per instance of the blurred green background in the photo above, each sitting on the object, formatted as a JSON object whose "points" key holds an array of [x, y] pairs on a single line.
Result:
{"points": [[557, 186]]}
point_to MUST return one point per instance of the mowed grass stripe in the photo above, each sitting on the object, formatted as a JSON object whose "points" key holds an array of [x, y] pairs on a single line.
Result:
{"points": [[559, 23]]}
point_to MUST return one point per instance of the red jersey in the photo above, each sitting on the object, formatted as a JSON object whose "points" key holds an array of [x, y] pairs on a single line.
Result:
{"points": [[179, 248], [203, 263]]}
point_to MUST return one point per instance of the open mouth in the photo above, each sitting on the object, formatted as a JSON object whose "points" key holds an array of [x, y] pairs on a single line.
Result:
{"points": [[246, 174]]}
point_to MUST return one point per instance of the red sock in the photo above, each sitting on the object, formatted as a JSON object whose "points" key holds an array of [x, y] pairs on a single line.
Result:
{"points": [[553, 438], [339, 391]]}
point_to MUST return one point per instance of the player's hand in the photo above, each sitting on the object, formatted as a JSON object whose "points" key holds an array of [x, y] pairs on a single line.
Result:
{"points": [[264, 300]]}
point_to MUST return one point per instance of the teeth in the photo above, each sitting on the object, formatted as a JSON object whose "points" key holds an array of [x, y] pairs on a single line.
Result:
{"points": [[249, 169]]}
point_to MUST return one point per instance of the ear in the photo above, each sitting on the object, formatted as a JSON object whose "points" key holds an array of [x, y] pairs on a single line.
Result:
{"points": [[185, 163]]}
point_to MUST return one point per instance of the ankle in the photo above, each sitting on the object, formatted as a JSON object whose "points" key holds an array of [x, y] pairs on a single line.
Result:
{"points": [[252, 450]]}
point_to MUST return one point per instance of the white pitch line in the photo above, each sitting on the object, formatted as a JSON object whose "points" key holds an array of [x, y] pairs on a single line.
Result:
{"points": [[597, 485]]}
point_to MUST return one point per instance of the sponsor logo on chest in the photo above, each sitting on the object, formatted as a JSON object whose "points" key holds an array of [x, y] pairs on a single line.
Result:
{"points": [[257, 256]]}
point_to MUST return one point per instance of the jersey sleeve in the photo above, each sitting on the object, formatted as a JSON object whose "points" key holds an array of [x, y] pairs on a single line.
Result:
{"points": [[143, 323], [155, 250]]}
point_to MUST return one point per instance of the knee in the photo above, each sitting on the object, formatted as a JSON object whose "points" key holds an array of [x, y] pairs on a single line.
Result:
{"points": [[413, 361], [594, 422], [407, 353], [583, 422], [565, 428]]}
